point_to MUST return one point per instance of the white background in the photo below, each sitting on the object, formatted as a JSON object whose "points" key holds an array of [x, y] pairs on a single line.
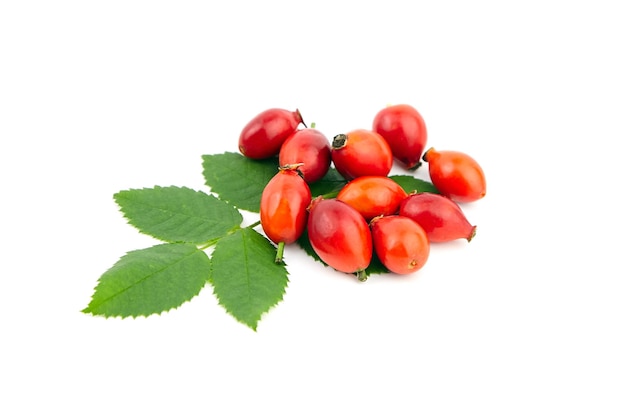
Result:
{"points": [[526, 320]]}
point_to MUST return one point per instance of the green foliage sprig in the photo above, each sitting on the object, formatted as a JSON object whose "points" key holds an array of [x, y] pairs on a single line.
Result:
{"points": [[240, 268]]}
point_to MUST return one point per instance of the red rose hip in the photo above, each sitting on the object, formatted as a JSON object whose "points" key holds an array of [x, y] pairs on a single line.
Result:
{"points": [[361, 153], [456, 175], [309, 147], [442, 218], [404, 129], [373, 196], [284, 204], [340, 236], [400, 243], [263, 136]]}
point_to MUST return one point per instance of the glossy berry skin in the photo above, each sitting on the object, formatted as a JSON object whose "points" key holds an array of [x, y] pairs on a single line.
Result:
{"points": [[309, 147], [361, 152], [284, 203], [400, 243], [340, 236], [456, 175], [404, 129], [263, 136], [441, 217], [373, 196]]}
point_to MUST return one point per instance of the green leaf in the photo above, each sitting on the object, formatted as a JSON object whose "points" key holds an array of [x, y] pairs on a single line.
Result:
{"points": [[238, 180], [152, 280], [375, 267], [245, 278], [412, 184], [329, 185], [178, 214]]}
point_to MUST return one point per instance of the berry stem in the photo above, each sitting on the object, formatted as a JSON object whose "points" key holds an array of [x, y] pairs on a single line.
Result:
{"points": [[361, 275], [279, 252], [288, 167]]}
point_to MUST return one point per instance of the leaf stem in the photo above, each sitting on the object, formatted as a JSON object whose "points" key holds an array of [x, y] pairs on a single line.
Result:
{"points": [[208, 244], [361, 275], [279, 252], [212, 242], [254, 225]]}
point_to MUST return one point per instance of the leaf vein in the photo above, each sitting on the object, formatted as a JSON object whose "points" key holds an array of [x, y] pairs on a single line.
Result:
{"points": [[143, 279]]}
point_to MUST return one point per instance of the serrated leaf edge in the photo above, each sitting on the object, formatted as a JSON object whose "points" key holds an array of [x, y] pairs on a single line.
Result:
{"points": [[107, 316], [204, 169], [162, 239], [269, 308]]}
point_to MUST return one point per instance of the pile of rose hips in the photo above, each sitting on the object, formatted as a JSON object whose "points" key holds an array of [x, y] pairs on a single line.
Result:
{"points": [[371, 213]]}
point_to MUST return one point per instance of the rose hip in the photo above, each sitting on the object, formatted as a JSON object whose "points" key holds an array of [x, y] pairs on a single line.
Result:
{"points": [[263, 136], [404, 129], [283, 211], [456, 175], [442, 218], [340, 236], [400, 243], [373, 195], [309, 147], [361, 152]]}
